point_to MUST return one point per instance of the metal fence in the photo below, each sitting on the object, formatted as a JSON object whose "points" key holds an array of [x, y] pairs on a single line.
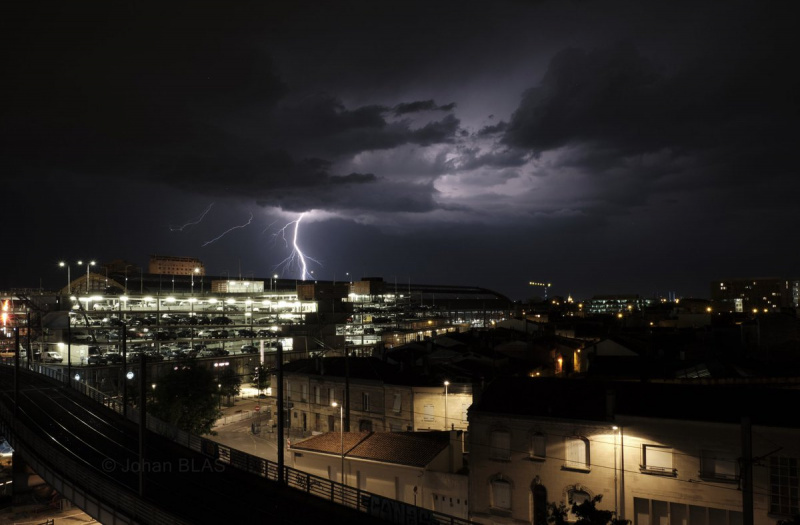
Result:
{"points": [[379, 506]]}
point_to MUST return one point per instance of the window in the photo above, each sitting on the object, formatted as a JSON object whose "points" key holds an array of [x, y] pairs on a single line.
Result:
{"points": [[317, 396], [365, 401], [577, 453], [501, 494], [537, 448], [398, 402], [655, 512], [575, 497], [427, 413], [657, 460], [500, 445], [304, 392], [784, 497], [331, 395], [718, 466]]}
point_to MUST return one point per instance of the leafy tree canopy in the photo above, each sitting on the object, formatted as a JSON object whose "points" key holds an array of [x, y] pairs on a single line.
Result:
{"points": [[586, 512], [187, 398]]}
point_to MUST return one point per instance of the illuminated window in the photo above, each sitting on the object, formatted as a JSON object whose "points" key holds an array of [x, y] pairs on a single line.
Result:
{"points": [[718, 466], [657, 460], [577, 453]]}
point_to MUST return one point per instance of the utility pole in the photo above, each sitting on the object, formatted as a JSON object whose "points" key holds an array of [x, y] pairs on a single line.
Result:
{"points": [[747, 471]]}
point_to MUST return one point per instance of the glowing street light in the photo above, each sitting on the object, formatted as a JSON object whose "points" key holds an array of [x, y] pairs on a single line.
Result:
{"points": [[89, 264], [69, 278], [196, 270], [446, 384], [341, 433]]}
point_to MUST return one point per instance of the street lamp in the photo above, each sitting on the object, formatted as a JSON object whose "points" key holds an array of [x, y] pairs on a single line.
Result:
{"points": [[341, 433], [446, 384], [219, 396], [272, 282], [89, 264], [69, 278], [196, 270], [126, 277]]}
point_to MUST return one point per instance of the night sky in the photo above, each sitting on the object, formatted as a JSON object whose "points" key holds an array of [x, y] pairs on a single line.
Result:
{"points": [[606, 147]]}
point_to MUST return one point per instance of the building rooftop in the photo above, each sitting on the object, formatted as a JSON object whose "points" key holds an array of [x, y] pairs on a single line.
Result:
{"points": [[591, 400], [413, 449]]}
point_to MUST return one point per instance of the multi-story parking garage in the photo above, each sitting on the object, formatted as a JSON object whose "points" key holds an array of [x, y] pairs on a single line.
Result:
{"points": [[177, 316]]}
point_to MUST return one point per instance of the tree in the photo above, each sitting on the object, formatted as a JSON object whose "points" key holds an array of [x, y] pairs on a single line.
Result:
{"points": [[586, 512], [261, 378], [187, 398], [230, 384]]}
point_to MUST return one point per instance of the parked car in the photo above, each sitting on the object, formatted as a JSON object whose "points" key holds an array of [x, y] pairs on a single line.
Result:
{"points": [[221, 320], [52, 357], [97, 359], [249, 349], [114, 358]]}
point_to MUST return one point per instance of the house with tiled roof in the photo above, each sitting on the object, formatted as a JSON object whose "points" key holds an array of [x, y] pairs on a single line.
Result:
{"points": [[425, 469], [376, 396]]}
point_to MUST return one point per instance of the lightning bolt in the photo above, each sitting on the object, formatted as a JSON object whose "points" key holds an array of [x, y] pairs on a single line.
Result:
{"points": [[226, 232], [191, 223], [297, 257]]}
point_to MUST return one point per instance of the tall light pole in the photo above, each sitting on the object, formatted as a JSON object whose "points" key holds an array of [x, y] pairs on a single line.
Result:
{"points": [[446, 384], [272, 282], [69, 278], [341, 433], [194, 271], [126, 277], [89, 264]]}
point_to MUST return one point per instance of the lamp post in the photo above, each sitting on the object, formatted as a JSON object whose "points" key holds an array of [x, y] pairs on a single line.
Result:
{"points": [[194, 271], [126, 277], [272, 282], [69, 278], [446, 384], [341, 433], [89, 264], [219, 396]]}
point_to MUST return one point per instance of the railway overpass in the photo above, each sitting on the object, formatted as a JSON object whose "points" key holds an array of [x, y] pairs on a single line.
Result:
{"points": [[77, 440]]}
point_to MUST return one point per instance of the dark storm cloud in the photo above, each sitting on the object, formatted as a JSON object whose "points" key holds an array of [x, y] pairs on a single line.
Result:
{"points": [[421, 105], [383, 195], [615, 102], [493, 130], [184, 98], [324, 125], [358, 178]]}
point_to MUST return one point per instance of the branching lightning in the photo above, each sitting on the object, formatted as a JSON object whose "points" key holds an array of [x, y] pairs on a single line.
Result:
{"points": [[226, 232], [192, 222], [297, 257]]}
